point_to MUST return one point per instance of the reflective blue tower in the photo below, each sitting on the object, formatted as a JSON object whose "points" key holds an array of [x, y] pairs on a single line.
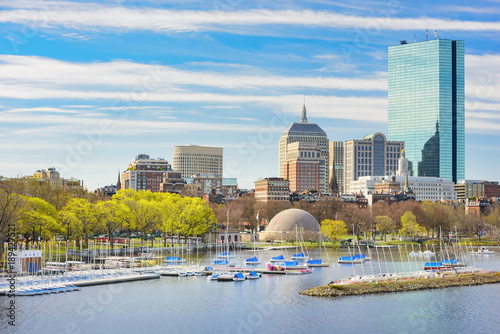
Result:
{"points": [[426, 106]]}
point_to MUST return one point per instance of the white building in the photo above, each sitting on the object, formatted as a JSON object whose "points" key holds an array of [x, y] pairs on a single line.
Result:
{"points": [[193, 159]]}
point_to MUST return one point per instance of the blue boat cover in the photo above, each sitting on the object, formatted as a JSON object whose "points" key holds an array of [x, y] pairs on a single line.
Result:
{"points": [[253, 259], [254, 273], [278, 257], [289, 263], [239, 275], [173, 258], [359, 256], [221, 262], [433, 264], [225, 254], [299, 255], [209, 269], [346, 258], [451, 261], [314, 261]]}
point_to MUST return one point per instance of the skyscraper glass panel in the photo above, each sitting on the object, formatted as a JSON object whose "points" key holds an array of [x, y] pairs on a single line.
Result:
{"points": [[426, 106]]}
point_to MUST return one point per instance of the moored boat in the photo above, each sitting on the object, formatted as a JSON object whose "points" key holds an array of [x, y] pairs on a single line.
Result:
{"points": [[482, 250]]}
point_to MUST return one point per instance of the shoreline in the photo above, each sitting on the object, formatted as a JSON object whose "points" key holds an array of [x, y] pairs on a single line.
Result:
{"points": [[357, 289]]}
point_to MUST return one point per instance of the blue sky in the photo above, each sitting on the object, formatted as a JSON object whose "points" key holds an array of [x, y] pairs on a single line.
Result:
{"points": [[86, 86]]}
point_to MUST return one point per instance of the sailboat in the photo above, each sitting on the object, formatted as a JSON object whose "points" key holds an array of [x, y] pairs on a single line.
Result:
{"points": [[301, 255], [319, 262], [254, 259]]}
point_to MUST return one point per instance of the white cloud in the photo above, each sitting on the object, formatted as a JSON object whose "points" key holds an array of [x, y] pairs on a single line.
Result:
{"points": [[96, 18]]}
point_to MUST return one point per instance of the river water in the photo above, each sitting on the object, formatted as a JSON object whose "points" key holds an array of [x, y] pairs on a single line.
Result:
{"points": [[271, 304]]}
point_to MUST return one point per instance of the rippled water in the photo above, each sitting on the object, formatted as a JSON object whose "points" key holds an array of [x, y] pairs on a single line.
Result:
{"points": [[270, 304]]}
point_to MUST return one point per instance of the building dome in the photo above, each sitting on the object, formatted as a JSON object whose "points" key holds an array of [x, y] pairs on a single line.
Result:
{"points": [[286, 220]]}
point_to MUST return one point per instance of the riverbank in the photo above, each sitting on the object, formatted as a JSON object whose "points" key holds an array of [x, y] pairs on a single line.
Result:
{"points": [[340, 290]]}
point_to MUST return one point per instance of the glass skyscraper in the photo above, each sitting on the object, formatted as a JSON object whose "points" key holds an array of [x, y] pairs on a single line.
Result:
{"points": [[426, 106]]}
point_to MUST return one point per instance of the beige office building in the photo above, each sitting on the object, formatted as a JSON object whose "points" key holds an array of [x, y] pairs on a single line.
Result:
{"points": [[192, 160]]}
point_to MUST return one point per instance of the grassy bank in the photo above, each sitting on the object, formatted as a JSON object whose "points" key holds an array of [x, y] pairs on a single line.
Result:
{"points": [[402, 286]]}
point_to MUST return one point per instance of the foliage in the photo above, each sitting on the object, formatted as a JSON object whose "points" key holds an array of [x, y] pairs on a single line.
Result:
{"points": [[409, 225], [331, 229]]}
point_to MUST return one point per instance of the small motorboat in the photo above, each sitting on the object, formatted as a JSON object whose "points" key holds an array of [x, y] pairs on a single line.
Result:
{"points": [[482, 250], [252, 275], [238, 277]]}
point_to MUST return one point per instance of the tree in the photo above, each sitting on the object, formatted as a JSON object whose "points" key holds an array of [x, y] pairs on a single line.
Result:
{"points": [[331, 229], [384, 224], [11, 205], [83, 210], [409, 225], [38, 218]]}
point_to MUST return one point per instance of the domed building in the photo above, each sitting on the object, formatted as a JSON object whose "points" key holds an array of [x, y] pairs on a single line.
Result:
{"points": [[287, 220]]}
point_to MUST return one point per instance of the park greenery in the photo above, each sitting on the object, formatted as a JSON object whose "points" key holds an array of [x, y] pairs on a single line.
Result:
{"points": [[40, 211]]}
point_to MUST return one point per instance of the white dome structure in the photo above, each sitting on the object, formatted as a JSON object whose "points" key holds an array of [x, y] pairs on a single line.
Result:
{"points": [[287, 220]]}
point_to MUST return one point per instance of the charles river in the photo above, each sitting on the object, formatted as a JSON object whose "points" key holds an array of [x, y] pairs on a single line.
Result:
{"points": [[271, 304]]}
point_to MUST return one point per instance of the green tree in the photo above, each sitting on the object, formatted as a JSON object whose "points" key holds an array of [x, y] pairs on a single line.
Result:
{"points": [[409, 225], [83, 210], [384, 224], [331, 229], [38, 219]]}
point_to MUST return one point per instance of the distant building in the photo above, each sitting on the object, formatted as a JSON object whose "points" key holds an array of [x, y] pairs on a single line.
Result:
{"points": [[192, 160], [53, 177], [214, 184], [106, 190], [468, 189], [145, 173], [272, 189], [336, 167], [302, 166], [371, 156], [172, 183], [305, 133]]}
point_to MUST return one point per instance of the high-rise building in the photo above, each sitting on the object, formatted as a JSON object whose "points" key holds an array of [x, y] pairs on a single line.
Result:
{"points": [[305, 132], [303, 166], [336, 167], [144, 173], [371, 156], [193, 159], [426, 106]]}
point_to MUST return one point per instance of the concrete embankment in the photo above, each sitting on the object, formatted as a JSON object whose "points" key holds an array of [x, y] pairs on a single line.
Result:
{"points": [[339, 290]]}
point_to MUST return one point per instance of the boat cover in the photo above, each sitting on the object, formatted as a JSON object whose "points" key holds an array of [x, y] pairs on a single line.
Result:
{"points": [[239, 275], [450, 261], [433, 264], [225, 254], [318, 261], [278, 257], [346, 258], [299, 255], [254, 273], [359, 256], [221, 262], [253, 259], [173, 258], [209, 269], [289, 263]]}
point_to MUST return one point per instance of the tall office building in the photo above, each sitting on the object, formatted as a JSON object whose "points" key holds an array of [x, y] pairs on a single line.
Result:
{"points": [[193, 159], [372, 156], [426, 106], [336, 167], [306, 132], [302, 166]]}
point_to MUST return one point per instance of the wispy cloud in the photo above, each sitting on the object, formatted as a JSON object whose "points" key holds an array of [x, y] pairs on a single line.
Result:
{"points": [[97, 18]]}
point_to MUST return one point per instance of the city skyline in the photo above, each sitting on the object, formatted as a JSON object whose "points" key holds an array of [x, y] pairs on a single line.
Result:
{"points": [[85, 89]]}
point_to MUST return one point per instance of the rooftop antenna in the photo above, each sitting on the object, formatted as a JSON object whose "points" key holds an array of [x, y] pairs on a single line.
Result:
{"points": [[426, 34], [435, 33]]}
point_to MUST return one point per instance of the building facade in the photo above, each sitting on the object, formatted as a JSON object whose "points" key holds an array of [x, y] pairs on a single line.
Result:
{"points": [[468, 189], [371, 156], [192, 160], [303, 166], [426, 106], [336, 167], [425, 188], [214, 184], [145, 173], [53, 177], [272, 189], [310, 133]]}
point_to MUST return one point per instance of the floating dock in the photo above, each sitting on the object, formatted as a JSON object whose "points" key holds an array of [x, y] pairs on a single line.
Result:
{"points": [[112, 280]]}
